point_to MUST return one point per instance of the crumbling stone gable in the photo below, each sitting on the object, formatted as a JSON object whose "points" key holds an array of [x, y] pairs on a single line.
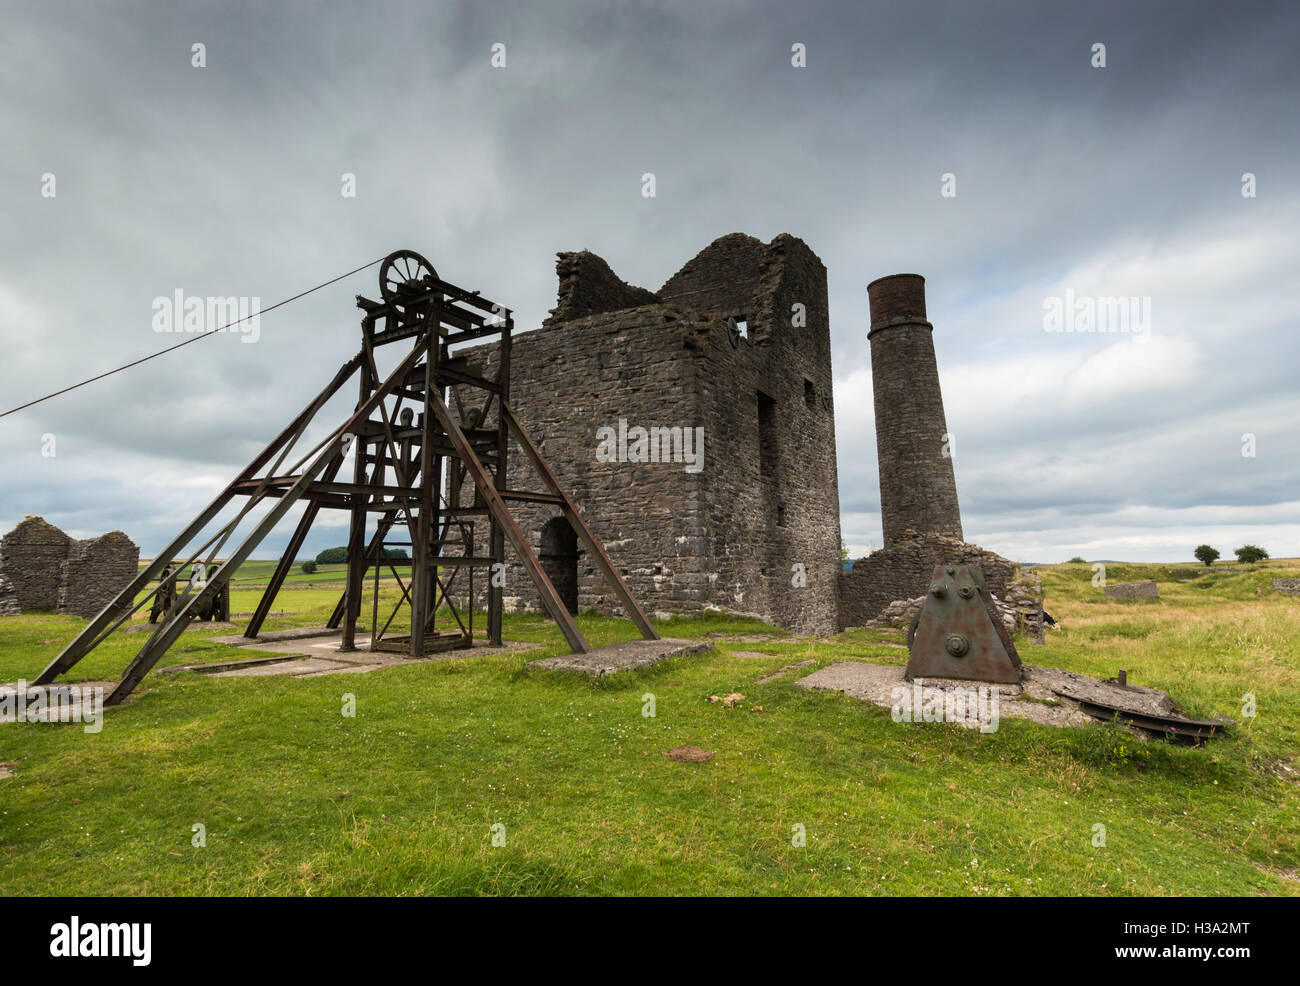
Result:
{"points": [[722, 279], [589, 287], [95, 571], [31, 556], [902, 570], [766, 500]]}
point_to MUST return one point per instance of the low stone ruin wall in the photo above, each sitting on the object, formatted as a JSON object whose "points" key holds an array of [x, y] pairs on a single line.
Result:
{"points": [[1146, 589], [43, 568], [8, 598], [31, 556], [1289, 586], [1021, 609], [95, 571], [902, 570]]}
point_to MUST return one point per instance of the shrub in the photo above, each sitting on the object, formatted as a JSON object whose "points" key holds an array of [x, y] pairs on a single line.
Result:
{"points": [[1076, 560], [1248, 554], [332, 556], [1110, 744], [1206, 554], [309, 566]]}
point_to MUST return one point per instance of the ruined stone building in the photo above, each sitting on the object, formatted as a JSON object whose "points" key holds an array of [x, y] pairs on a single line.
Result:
{"points": [[694, 426], [41, 567]]}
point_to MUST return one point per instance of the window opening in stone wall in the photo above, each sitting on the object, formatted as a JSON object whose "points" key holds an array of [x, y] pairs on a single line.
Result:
{"points": [[809, 393], [767, 447]]}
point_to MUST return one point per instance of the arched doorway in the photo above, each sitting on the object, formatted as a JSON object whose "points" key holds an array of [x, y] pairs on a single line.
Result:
{"points": [[559, 558]]}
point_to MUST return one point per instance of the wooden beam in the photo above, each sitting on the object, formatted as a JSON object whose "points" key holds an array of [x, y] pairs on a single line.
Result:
{"points": [[579, 524], [501, 514], [80, 644]]}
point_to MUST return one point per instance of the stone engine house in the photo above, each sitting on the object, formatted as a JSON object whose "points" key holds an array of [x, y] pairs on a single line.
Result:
{"points": [[694, 426]]}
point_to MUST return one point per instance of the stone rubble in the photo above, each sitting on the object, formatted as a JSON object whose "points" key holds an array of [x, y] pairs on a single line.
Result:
{"points": [[1021, 610]]}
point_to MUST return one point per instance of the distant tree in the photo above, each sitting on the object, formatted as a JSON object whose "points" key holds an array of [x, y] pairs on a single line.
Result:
{"points": [[332, 556], [844, 551], [397, 554], [1248, 554], [1206, 554], [1076, 560], [309, 566]]}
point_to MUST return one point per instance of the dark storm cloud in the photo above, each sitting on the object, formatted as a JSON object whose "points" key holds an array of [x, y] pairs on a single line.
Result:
{"points": [[226, 181]]}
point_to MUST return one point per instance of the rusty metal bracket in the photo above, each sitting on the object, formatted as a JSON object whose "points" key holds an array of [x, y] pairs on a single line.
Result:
{"points": [[958, 633]]}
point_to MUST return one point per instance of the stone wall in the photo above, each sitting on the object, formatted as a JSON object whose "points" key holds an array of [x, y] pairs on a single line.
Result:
{"points": [[43, 568], [32, 556], [724, 279], [1021, 610], [730, 535], [1145, 589], [8, 598], [95, 571], [1289, 586], [902, 570], [1024, 600], [570, 380], [771, 497]]}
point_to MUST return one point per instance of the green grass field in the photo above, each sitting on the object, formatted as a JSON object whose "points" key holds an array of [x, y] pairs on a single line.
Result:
{"points": [[296, 798], [256, 573]]}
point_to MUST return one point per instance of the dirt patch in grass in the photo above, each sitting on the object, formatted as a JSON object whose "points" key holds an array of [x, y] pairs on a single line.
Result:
{"points": [[689, 754], [785, 670]]}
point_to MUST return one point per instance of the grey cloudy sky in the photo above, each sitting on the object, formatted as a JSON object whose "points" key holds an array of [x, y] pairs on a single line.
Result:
{"points": [[1123, 181]]}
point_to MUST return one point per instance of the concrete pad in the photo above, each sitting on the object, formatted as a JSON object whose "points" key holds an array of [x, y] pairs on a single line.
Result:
{"points": [[311, 651], [267, 636], [876, 683], [63, 701], [142, 626], [293, 668], [1080, 687], [627, 656]]}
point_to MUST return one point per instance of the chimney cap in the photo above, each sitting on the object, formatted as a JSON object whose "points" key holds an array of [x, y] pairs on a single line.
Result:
{"points": [[897, 296], [890, 277]]}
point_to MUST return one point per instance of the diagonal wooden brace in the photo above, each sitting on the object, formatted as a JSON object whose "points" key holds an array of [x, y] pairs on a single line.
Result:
{"points": [[501, 514], [589, 541]]}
